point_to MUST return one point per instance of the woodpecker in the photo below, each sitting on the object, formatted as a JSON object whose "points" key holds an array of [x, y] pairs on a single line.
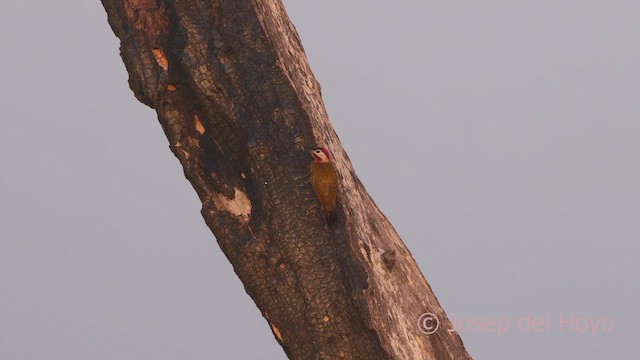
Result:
{"points": [[324, 180]]}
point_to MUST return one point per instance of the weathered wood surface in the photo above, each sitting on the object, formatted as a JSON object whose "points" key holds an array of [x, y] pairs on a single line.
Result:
{"points": [[240, 107]]}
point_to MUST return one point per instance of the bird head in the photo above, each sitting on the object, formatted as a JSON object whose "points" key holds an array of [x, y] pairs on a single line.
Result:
{"points": [[321, 155]]}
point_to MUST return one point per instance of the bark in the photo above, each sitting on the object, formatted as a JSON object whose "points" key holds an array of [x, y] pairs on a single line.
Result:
{"points": [[240, 107]]}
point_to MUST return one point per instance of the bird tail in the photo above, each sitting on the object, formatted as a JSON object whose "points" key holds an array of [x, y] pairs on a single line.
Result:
{"points": [[330, 216]]}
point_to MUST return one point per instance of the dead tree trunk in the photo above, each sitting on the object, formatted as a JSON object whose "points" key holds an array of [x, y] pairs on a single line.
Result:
{"points": [[236, 98]]}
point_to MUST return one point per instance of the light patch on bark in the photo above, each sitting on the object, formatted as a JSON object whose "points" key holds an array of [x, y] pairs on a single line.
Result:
{"points": [[398, 293], [160, 58], [199, 127], [171, 87], [186, 154], [276, 331], [239, 206]]}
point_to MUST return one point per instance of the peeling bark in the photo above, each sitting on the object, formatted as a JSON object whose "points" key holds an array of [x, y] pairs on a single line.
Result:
{"points": [[240, 106]]}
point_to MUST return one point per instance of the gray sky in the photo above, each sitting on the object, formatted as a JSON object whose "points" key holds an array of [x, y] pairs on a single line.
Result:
{"points": [[513, 128]]}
